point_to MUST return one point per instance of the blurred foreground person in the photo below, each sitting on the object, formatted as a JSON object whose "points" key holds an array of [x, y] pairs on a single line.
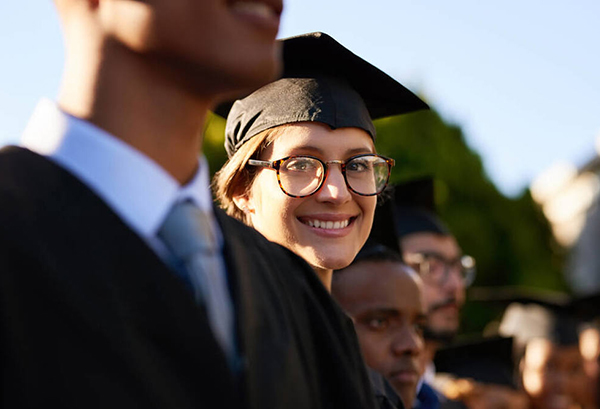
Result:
{"points": [[384, 298], [120, 285], [303, 171]]}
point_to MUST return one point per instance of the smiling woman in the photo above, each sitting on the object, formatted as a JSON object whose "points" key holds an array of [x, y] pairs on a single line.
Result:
{"points": [[328, 226], [303, 169]]}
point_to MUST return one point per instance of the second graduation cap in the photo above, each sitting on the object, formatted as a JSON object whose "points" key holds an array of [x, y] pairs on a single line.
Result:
{"points": [[415, 208], [382, 231], [405, 209], [322, 82], [487, 360], [532, 313]]}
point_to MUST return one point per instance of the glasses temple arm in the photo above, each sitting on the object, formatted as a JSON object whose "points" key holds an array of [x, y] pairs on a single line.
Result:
{"points": [[262, 163]]}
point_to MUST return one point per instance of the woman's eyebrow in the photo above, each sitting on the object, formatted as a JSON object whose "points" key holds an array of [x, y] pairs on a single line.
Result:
{"points": [[307, 149], [316, 150], [356, 151]]}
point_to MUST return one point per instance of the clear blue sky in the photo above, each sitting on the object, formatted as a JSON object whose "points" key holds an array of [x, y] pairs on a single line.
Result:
{"points": [[522, 78]]}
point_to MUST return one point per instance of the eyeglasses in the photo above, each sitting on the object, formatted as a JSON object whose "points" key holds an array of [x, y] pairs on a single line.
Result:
{"points": [[301, 176], [435, 269]]}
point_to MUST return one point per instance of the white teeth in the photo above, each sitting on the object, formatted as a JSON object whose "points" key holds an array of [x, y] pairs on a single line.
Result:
{"points": [[255, 9], [319, 224]]}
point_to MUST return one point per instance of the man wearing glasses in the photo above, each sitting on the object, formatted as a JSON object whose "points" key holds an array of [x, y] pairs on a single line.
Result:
{"points": [[431, 249]]}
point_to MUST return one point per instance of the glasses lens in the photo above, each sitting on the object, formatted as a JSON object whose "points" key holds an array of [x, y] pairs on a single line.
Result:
{"points": [[436, 269], [367, 174], [468, 269], [301, 176]]}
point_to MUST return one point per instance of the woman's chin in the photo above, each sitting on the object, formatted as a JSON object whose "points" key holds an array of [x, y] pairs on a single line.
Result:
{"points": [[327, 262]]}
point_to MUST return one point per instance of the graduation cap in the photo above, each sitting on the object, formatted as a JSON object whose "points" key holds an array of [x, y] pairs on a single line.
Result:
{"points": [[382, 231], [322, 82], [587, 307], [382, 243], [415, 208], [533, 313], [506, 295], [486, 360]]}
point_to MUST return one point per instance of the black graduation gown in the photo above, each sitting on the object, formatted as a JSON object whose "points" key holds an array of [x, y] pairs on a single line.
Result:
{"points": [[91, 317], [386, 396]]}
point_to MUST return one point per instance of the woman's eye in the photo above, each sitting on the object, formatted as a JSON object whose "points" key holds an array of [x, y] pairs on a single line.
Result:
{"points": [[358, 166], [300, 165]]}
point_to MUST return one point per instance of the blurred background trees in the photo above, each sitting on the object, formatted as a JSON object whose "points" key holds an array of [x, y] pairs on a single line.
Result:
{"points": [[508, 236]]}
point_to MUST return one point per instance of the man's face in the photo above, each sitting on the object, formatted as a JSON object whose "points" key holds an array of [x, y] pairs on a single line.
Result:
{"points": [[444, 296], [386, 304], [211, 46]]}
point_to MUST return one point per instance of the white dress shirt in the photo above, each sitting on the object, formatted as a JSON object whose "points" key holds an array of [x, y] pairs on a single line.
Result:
{"points": [[135, 187]]}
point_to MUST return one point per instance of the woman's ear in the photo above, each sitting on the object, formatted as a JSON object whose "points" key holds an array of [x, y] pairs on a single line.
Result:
{"points": [[243, 203]]}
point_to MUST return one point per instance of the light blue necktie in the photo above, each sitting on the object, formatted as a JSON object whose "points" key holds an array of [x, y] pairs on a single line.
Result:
{"points": [[188, 233]]}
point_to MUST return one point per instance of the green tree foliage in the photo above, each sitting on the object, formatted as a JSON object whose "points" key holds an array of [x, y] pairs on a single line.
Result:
{"points": [[214, 136], [509, 237]]}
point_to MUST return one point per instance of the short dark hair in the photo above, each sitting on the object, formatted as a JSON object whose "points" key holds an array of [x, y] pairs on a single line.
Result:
{"points": [[376, 252]]}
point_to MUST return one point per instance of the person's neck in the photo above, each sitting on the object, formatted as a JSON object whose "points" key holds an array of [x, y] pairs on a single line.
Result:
{"points": [[325, 275], [135, 100]]}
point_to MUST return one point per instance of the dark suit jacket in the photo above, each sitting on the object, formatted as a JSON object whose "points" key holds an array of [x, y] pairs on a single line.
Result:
{"points": [[91, 317]]}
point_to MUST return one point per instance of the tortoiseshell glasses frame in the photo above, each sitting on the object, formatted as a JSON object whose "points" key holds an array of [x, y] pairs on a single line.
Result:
{"points": [[309, 173]]}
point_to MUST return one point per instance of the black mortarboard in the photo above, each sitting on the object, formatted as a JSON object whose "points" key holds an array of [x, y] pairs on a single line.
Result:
{"points": [[383, 231], [506, 295], [533, 313], [415, 208], [587, 307], [322, 82], [382, 243], [487, 360]]}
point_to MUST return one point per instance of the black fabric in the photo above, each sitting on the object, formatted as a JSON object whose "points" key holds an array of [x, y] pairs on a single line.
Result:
{"points": [[386, 396], [384, 221], [322, 82], [404, 209], [488, 360], [91, 317], [415, 208], [586, 307], [289, 100]]}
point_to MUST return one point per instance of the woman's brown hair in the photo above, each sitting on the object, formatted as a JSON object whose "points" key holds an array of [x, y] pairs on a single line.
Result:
{"points": [[235, 177]]}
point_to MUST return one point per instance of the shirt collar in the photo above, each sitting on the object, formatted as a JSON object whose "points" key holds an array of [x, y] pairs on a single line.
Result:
{"points": [[133, 185]]}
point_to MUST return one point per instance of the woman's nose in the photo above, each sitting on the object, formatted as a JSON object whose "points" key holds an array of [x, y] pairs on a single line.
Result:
{"points": [[334, 187]]}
